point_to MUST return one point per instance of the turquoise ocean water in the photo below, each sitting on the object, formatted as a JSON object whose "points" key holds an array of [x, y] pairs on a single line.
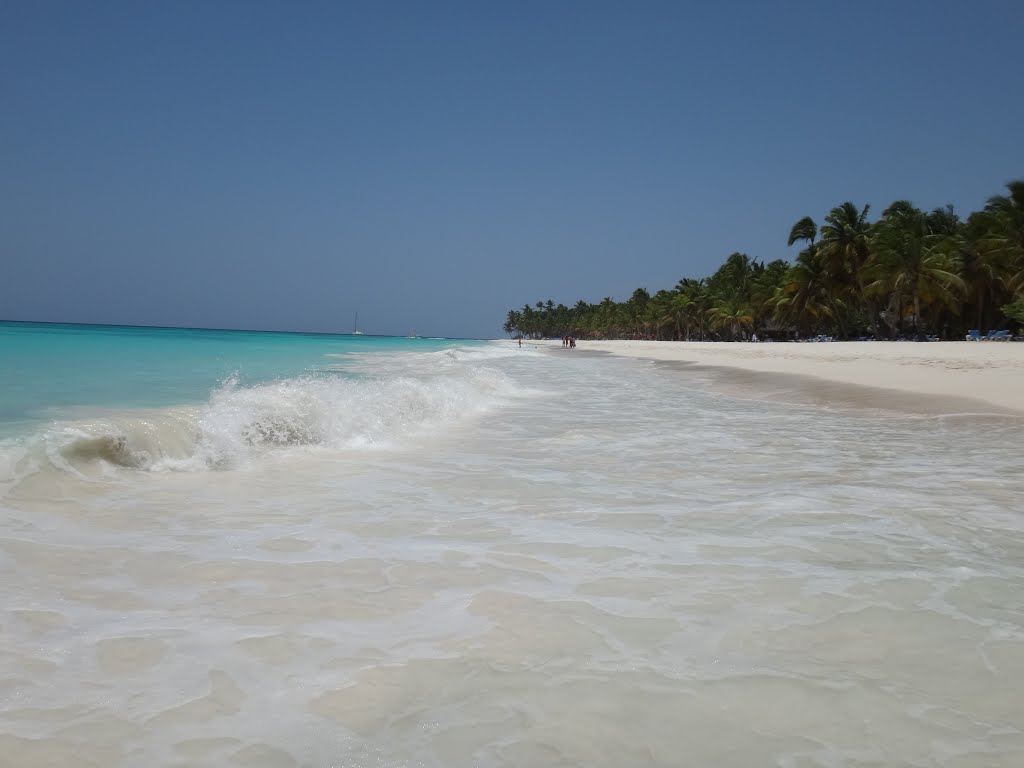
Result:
{"points": [[52, 371]]}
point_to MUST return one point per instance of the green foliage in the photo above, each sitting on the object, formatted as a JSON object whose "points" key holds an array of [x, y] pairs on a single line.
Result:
{"points": [[1015, 311], [929, 272], [910, 262], [732, 316], [805, 229]]}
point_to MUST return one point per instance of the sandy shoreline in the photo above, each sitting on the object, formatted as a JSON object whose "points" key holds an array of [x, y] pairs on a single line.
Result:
{"points": [[933, 377]]}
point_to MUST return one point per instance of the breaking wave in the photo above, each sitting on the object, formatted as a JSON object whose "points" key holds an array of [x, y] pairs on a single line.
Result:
{"points": [[238, 424]]}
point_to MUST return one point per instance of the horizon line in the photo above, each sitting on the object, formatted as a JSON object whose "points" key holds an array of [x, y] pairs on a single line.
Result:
{"points": [[235, 330]]}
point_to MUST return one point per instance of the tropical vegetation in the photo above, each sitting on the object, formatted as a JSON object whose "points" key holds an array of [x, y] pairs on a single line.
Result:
{"points": [[908, 274]]}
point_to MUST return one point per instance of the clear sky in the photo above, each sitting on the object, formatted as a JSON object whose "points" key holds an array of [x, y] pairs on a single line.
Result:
{"points": [[282, 165]]}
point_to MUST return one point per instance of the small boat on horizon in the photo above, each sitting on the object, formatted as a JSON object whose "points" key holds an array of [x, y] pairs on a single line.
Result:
{"points": [[355, 327]]}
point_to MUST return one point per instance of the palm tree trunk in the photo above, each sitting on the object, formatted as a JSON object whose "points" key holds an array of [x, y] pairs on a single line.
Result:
{"points": [[874, 325], [840, 323], [981, 305]]}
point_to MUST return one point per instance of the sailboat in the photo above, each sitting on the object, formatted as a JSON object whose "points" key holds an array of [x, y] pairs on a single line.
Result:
{"points": [[355, 327]]}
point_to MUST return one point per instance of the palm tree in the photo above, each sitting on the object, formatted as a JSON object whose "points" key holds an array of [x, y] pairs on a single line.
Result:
{"points": [[679, 311], [1006, 217], [636, 310], [768, 278], [991, 260], [732, 315], [805, 297], [944, 221], [734, 277], [658, 314], [582, 314], [900, 209], [513, 323], [845, 248], [805, 230], [844, 240], [914, 263], [607, 316], [697, 303]]}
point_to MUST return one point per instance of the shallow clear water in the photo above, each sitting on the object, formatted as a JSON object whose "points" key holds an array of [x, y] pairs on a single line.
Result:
{"points": [[49, 368], [486, 556]]}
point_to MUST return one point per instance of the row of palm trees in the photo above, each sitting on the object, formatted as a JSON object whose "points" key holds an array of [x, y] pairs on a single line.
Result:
{"points": [[910, 273]]}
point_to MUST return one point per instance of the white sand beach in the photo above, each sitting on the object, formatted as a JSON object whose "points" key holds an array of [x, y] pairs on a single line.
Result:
{"points": [[953, 376]]}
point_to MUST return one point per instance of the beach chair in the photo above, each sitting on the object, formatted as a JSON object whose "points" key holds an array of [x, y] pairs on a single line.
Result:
{"points": [[992, 336], [1001, 336], [974, 335]]}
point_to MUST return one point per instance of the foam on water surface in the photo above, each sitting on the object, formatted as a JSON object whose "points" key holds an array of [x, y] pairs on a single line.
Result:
{"points": [[496, 557]]}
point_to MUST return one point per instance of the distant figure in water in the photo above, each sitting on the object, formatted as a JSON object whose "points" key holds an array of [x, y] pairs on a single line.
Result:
{"points": [[520, 343], [572, 342]]}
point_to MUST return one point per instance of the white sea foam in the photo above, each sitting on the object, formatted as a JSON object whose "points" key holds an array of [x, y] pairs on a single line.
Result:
{"points": [[401, 401], [506, 559]]}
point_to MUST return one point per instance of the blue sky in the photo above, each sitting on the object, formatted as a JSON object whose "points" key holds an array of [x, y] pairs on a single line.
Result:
{"points": [[431, 165]]}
